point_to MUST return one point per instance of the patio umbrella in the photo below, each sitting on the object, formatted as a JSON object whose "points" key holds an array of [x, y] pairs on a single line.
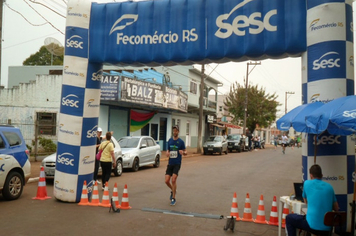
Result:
{"points": [[337, 116], [296, 118]]}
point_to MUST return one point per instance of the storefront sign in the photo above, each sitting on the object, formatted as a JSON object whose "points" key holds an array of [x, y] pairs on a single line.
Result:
{"points": [[109, 88]]}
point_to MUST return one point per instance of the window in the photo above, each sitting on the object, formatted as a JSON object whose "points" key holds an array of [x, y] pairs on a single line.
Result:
{"points": [[173, 122], [145, 130], [154, 131], [220, 108], [12, 138], [150, 142], [178, 122], [47, 123], [193, 87], [2, 144], [187, 129]]}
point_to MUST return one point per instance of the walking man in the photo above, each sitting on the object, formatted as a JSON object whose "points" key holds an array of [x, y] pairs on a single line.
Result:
{"points": [[284, 142], [176, 148]]}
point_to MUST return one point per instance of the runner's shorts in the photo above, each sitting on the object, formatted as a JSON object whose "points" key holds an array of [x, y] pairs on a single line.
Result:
{"points": [[172, 169]]}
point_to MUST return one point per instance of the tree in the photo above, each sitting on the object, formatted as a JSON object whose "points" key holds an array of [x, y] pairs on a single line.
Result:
{"points": [[43, 58], [261, 107]]}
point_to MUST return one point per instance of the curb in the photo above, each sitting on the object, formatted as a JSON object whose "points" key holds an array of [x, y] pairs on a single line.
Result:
{"points": [[32, 180]]}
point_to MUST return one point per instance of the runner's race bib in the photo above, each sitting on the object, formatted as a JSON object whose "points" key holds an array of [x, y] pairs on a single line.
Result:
{"points": [[173, 154]]}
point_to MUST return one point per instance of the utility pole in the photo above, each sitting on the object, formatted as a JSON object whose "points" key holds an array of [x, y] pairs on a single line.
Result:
{"points": [[201, 99], [246, 92], [1, 6], [286, 98]]}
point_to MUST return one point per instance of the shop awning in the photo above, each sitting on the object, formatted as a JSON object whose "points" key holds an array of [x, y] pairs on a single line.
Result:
{"points": [[217, 125], [228, 125]]}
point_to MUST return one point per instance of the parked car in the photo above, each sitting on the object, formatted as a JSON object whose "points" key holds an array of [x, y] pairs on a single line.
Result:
{"points": [[234, 142], [49, 162], [139, 151], [215, 144], [15, 167]]}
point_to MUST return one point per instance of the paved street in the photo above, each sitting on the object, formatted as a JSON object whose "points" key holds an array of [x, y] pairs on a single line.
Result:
{"points": [[206, 185]]}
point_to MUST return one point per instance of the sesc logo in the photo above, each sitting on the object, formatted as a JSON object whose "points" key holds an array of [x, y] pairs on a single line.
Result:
{"points": [[327, 63], [96, 76], [284, 126], [66, 159], [75, 42], [348, 114], [330, 140], [67, 101], [314, 98], [92, 133], [241, 22]]}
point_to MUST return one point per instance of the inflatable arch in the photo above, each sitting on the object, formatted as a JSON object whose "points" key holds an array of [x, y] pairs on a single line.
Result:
{"points": [[168, 32]]}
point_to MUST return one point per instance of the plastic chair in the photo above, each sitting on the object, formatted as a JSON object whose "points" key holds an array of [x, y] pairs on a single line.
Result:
{"points": [[335, 218]]}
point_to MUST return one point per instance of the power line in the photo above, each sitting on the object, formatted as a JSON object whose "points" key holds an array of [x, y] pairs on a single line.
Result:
{"points": [[47, 8], [44, 18], [24, 16]]}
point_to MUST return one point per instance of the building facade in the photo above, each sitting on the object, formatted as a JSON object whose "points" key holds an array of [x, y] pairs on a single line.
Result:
{"points": [[33, 104]]}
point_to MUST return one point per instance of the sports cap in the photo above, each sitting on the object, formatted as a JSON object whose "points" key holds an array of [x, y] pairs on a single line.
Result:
{"points": [[176, 127], [100, 130]]}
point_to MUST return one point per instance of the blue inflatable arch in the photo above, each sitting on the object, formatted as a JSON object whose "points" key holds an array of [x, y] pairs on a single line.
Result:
{"points": [[169, 32]]}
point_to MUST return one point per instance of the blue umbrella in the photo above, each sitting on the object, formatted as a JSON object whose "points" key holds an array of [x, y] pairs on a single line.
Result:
{"points": [[296, 118], [338, 117]]}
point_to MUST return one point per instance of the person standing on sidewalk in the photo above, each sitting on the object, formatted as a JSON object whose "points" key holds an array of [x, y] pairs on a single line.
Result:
{"points": [[97, 162], [107, 160], [275, 142], [284, 142], [176, 148]]}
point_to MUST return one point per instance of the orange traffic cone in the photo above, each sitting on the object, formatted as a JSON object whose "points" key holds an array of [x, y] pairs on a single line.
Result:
{"points": [[95, 196], [84, 198], [284, 215], [261, 218], [247, 216], [234, 208], [42, 190], [115, 197], [273, 217], [125, 199], [105, 201]]}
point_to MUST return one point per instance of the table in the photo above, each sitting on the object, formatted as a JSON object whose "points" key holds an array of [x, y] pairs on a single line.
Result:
{"points": [[295, 206]]}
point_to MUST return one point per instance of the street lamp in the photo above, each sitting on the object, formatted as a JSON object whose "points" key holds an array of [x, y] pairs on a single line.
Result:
{"points": [[246, 94], [286, 98]]}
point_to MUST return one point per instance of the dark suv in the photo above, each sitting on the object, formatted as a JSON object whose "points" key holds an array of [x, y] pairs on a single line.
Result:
{"points": [[234, 142], [15, 167]]}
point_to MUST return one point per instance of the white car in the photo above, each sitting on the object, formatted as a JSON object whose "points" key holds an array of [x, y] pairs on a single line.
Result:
{"points": [[49, 163], [139, 151]]}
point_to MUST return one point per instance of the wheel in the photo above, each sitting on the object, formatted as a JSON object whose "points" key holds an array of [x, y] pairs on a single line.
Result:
{"points": [[205, 153], [157, 162], [230, 150], [220, 152], [135, 165], [13, 186], [118, 169], [238, 150]]}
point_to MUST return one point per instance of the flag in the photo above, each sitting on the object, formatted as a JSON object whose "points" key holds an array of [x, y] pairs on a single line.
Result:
{"points": [[139, 120]]}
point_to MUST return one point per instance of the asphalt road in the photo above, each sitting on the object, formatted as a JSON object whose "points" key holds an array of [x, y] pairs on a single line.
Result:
{"points": [[206, 185]]}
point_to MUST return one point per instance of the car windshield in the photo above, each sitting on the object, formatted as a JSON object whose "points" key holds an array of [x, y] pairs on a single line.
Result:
{"points": [[214, 139], [129, 142], [234, 137]]}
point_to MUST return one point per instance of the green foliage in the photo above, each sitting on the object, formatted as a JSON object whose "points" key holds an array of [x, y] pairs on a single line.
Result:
{"points": [[261, 106], [43, 58], [47, 144]]}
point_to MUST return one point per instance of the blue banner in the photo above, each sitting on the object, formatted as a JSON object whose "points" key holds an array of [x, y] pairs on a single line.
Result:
{"points": [[177, 31]]}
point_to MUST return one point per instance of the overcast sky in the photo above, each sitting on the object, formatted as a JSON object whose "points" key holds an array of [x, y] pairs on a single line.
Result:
{"points": [[21, 39]]}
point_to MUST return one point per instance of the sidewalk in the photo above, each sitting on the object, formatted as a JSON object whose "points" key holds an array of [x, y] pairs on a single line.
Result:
{"points": [[36, 165]]}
